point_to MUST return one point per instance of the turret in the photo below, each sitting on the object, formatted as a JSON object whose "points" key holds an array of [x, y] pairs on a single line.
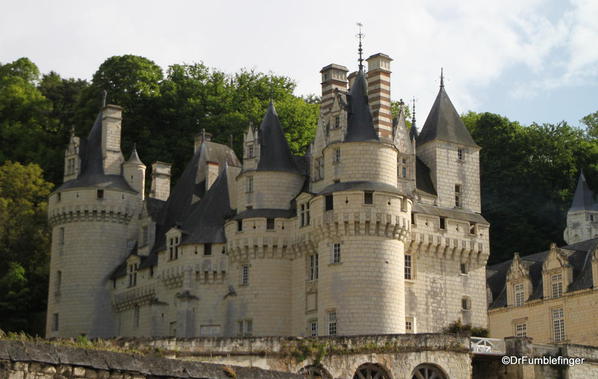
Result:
{"points": [[582, 217], [72, 160], [334, 78], [134, 173], [451, 154]]}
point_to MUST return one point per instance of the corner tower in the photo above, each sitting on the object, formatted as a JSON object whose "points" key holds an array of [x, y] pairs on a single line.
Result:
{"points": [[90, 215], [447, 148]]}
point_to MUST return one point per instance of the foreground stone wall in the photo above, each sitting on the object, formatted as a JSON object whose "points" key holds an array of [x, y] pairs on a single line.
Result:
{"points": [[25, 360]]}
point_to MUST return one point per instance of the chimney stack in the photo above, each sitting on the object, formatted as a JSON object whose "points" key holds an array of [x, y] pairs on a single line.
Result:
{"points": [[160, 181], [379, 93], [111, 129], [334, 76]]}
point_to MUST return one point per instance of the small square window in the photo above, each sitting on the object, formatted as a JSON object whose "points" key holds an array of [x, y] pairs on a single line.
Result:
{"points": [[464, 268], [466, 303], [270, 224], [100, 194], [368, 197]]}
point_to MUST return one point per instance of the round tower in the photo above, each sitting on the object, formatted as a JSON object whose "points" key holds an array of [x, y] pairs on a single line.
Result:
{"points": [[89, 217], [360, 221], [257, 237]]}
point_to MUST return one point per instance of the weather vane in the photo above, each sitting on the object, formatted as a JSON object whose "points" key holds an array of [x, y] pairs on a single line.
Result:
{"points": [[441, 77], [360, 35]]}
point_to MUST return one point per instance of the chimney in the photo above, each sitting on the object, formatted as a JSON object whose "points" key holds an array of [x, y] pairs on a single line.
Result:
{"points": [[200, 138], [160, 181], [334, 76], [379, 93], [111, 129]]}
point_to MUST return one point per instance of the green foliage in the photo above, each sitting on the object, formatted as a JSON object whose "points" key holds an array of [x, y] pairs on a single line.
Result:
{"points": [[457, 327], [24, 246], [528, 177], [591, 123]]}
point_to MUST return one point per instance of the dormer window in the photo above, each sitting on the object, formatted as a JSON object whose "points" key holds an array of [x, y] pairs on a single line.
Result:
{"points": [[132, 270], [337, 122], [70, 166], [519, 294], [249, 184], [173, 248], [556, 282], [207, 249], [250, 151]]}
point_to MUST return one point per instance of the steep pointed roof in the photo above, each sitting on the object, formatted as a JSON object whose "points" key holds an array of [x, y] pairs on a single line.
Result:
{"points": [[413, 134], [275, 154], [134, 158], [91, 173], [205, 223], [360, 125], [444, 123], [583, 199]]}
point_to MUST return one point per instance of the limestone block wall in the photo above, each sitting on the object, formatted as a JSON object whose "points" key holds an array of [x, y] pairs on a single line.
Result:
{"points": [[579, 310], [359, 161], [271, 189], [580, 227], [434, 296]]}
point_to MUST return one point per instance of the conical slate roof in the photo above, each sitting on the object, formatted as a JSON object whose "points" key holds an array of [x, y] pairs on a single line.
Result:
{"points": [[134, 158], [275, 154], [205, 223], [91, 173], [443, 123], [360, 125], [583, 199]]}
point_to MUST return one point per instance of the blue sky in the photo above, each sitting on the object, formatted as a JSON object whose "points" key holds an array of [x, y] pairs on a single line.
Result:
{"points": [[528, 60]]}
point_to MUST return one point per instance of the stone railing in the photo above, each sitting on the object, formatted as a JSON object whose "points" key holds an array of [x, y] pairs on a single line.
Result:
{"points": [[492, 346]]}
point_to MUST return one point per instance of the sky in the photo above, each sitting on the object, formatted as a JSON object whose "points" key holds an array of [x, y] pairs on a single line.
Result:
{"points": [[529, 60]]}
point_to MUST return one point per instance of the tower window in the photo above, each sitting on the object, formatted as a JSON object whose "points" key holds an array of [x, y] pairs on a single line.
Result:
{"points": [[239, 225], [336, 253], [408, 266], [136, 317], [58, 196], [458, 203], [313, 267], [58, 282], [173, 248], [337, 121], [245, 275], [61, 236], [270, 224], [249, 184], [460, 154], [404, 172], [336, 158], [442, 223], [329, 203], [207, 249], [368, 197], [133, 274], [466, 303], [463, 268], [100, 194]]}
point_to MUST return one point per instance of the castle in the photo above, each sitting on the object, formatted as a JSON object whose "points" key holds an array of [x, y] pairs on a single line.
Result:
{"points": [[376, 230]]}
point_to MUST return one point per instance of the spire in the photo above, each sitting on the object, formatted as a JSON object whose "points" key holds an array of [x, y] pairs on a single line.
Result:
{"points": [[583, 199], [413, 130], [134, 158], [360, 35], [360, 125], [444, 123], [275, 154], [441, 77]]}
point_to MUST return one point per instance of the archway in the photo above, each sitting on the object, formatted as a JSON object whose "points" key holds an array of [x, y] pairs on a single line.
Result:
{"points": [[428, 371], [371, 371], [315, 372]]}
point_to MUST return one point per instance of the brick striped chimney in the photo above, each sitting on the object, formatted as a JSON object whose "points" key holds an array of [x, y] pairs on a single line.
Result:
{"points": [[379, 93], [334, 76]]}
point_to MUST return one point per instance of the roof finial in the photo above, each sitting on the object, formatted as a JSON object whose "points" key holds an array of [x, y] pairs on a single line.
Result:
{"points": [[441, 77], [104, 96], [203, 135], [413, 114], [360, 35]]}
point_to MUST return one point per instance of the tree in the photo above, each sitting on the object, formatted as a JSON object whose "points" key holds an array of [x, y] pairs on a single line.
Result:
{"points": [[24, 247], [591, 123]]}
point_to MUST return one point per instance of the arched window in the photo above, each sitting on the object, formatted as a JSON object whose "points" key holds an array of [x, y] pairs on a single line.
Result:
{"points": [[428, 371], [315, 372], [371, 371]]}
